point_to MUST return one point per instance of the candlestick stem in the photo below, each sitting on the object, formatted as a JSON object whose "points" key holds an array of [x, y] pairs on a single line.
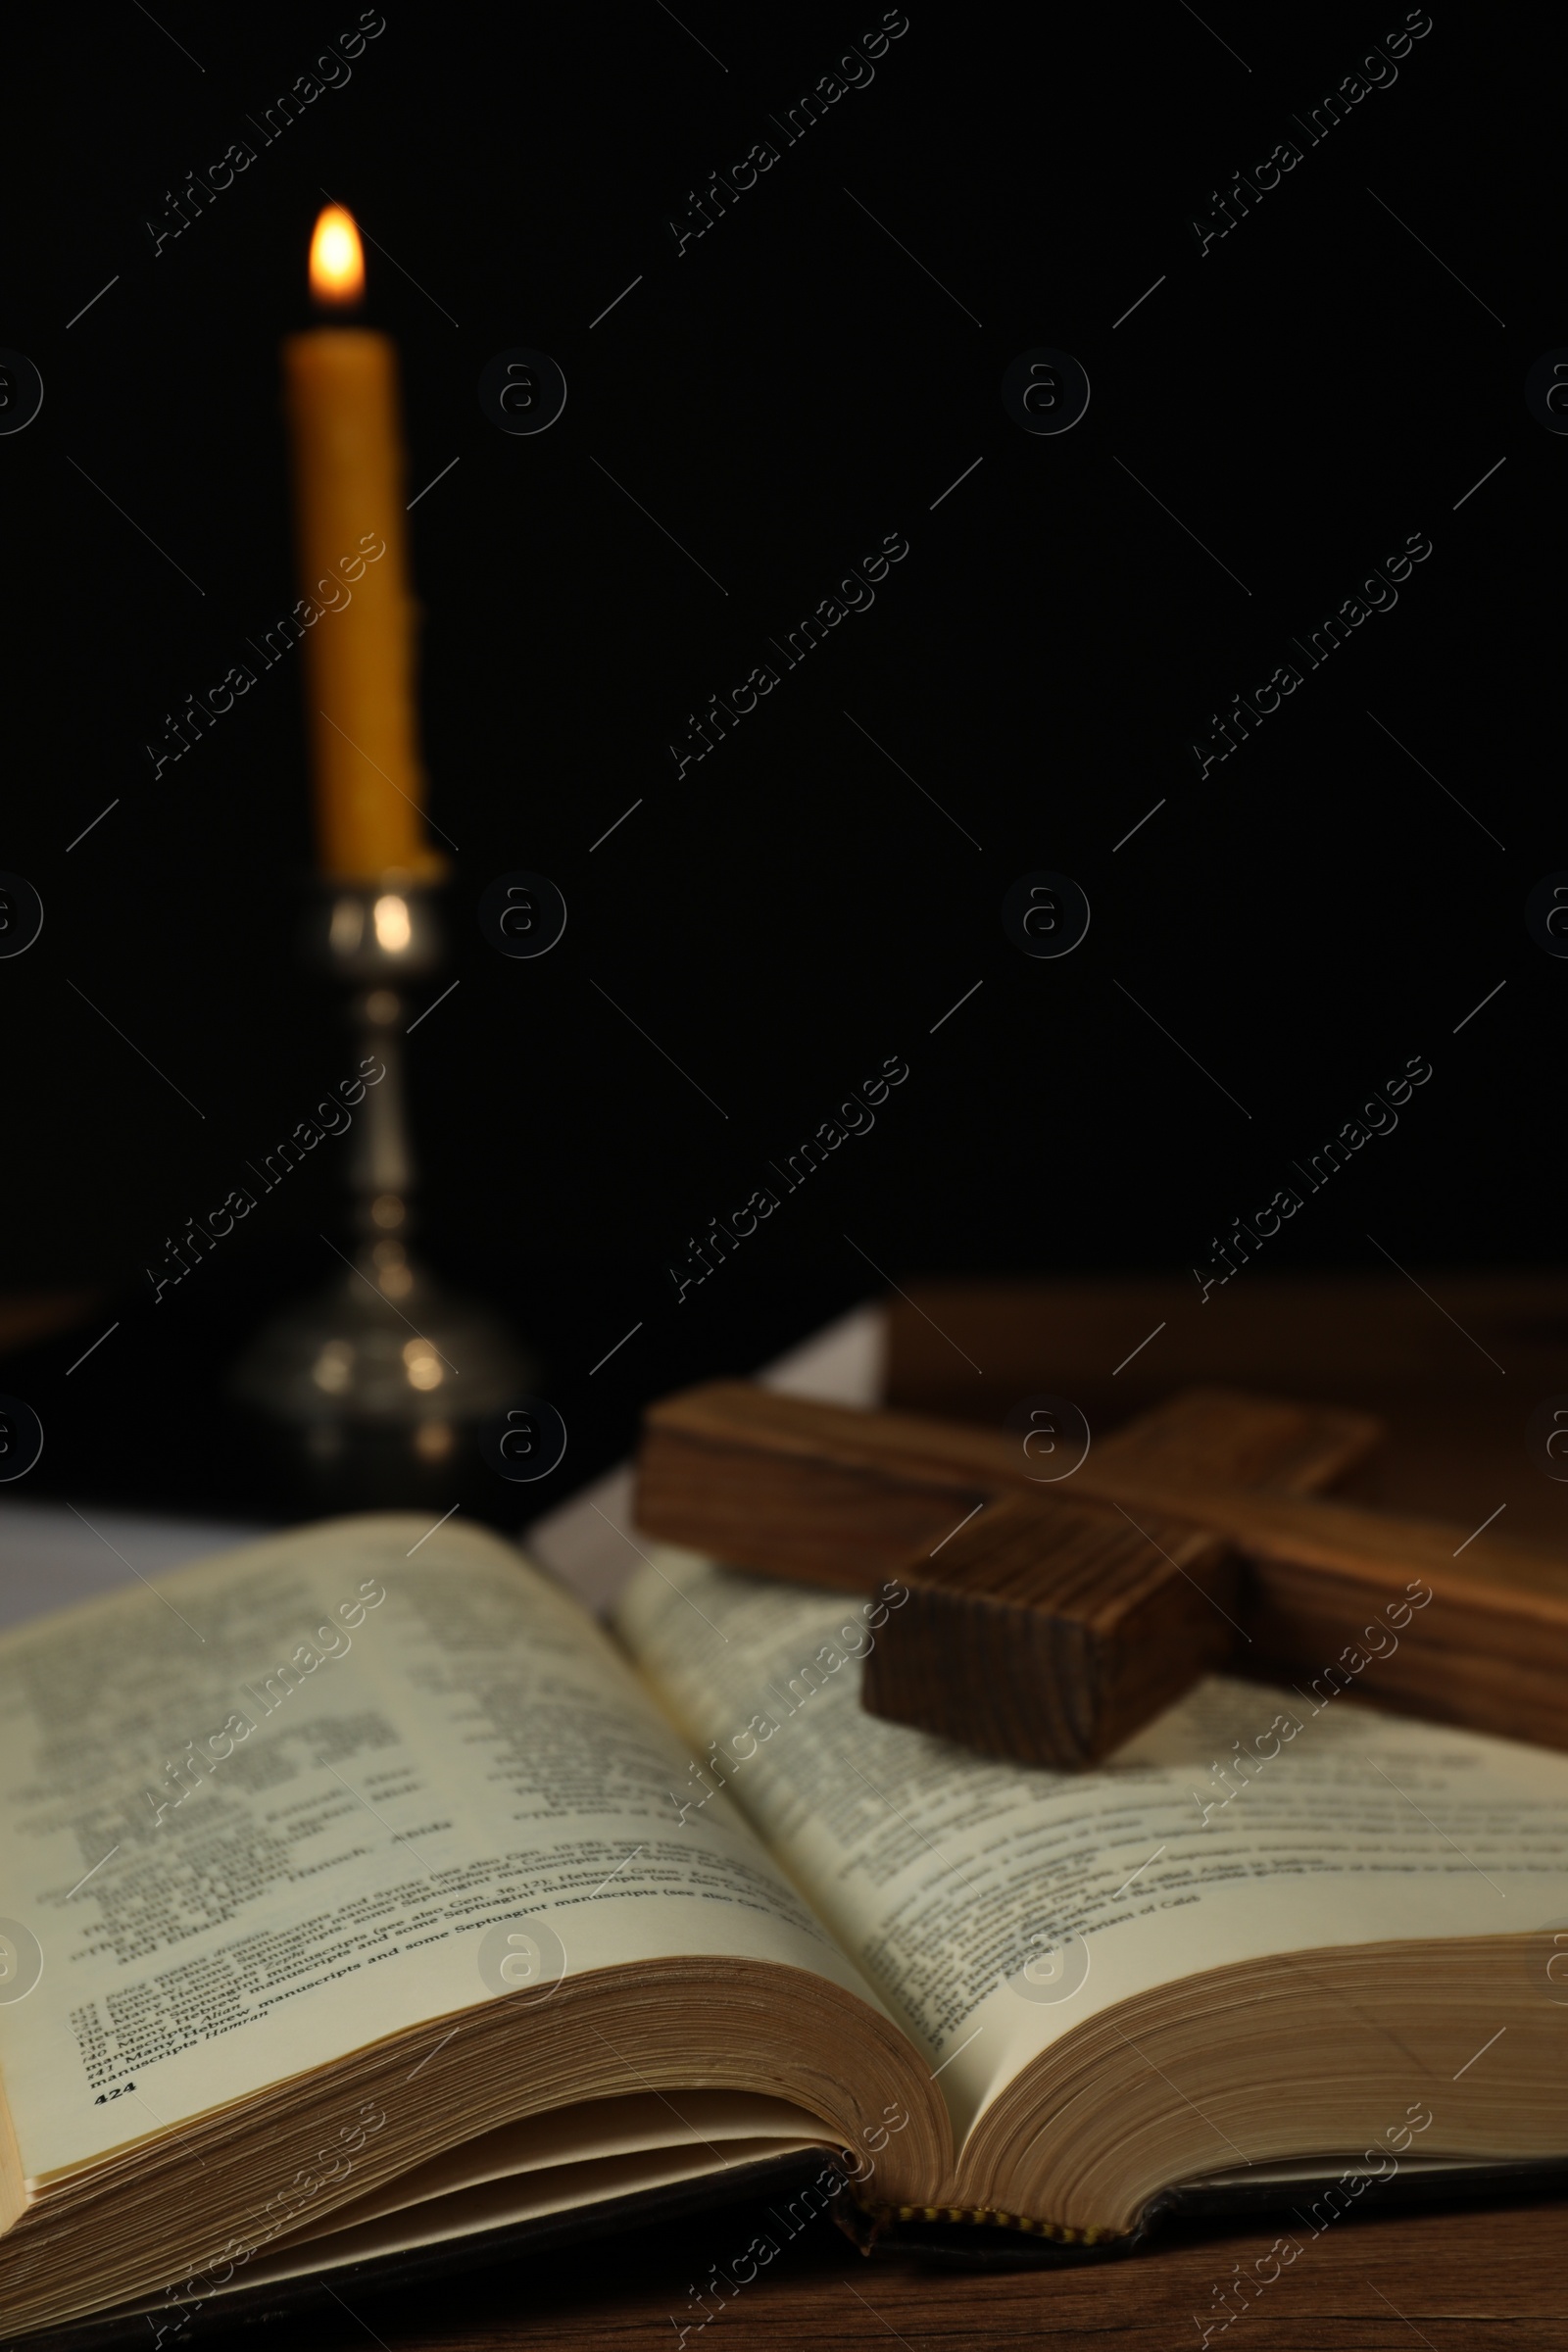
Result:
{"points": [[385, 1345]]}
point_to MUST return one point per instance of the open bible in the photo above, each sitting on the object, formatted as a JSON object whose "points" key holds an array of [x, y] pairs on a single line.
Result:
{"points": [[359, 1895]]}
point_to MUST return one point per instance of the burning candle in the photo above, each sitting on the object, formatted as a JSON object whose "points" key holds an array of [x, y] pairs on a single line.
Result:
{"points": [[355, 608]]}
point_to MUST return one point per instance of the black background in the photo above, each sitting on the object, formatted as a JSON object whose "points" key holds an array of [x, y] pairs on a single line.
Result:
{"points": [[781, 395]]}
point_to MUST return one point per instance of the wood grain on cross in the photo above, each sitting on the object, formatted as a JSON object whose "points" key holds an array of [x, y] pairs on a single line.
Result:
{"points": [[1047, 1622]]}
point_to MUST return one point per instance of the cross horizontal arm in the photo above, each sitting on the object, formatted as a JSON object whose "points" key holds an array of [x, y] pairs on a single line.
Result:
{"points": [[1035, 1575]]}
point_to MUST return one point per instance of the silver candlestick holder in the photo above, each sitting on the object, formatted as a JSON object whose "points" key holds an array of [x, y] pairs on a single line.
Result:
{"points": [[384, 1347]]}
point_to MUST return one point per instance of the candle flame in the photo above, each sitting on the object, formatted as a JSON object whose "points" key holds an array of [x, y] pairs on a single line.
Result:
{"points": [[337, 260]]}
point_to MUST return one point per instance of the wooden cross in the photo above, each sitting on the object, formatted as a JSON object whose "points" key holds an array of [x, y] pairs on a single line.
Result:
{"points": [[1047, 1623]]}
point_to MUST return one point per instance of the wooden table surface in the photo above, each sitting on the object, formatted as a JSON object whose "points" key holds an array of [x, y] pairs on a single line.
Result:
{"points": [[1455, 1363], [1480, 2282], [1457, 1394]]}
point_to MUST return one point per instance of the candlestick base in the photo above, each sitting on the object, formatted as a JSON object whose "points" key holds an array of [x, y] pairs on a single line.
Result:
{"points": [[425, 1361], [384, 1351]]}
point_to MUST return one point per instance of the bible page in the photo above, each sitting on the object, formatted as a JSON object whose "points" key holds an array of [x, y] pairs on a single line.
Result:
{"points": [[994, 1906], [270, 1811]]}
